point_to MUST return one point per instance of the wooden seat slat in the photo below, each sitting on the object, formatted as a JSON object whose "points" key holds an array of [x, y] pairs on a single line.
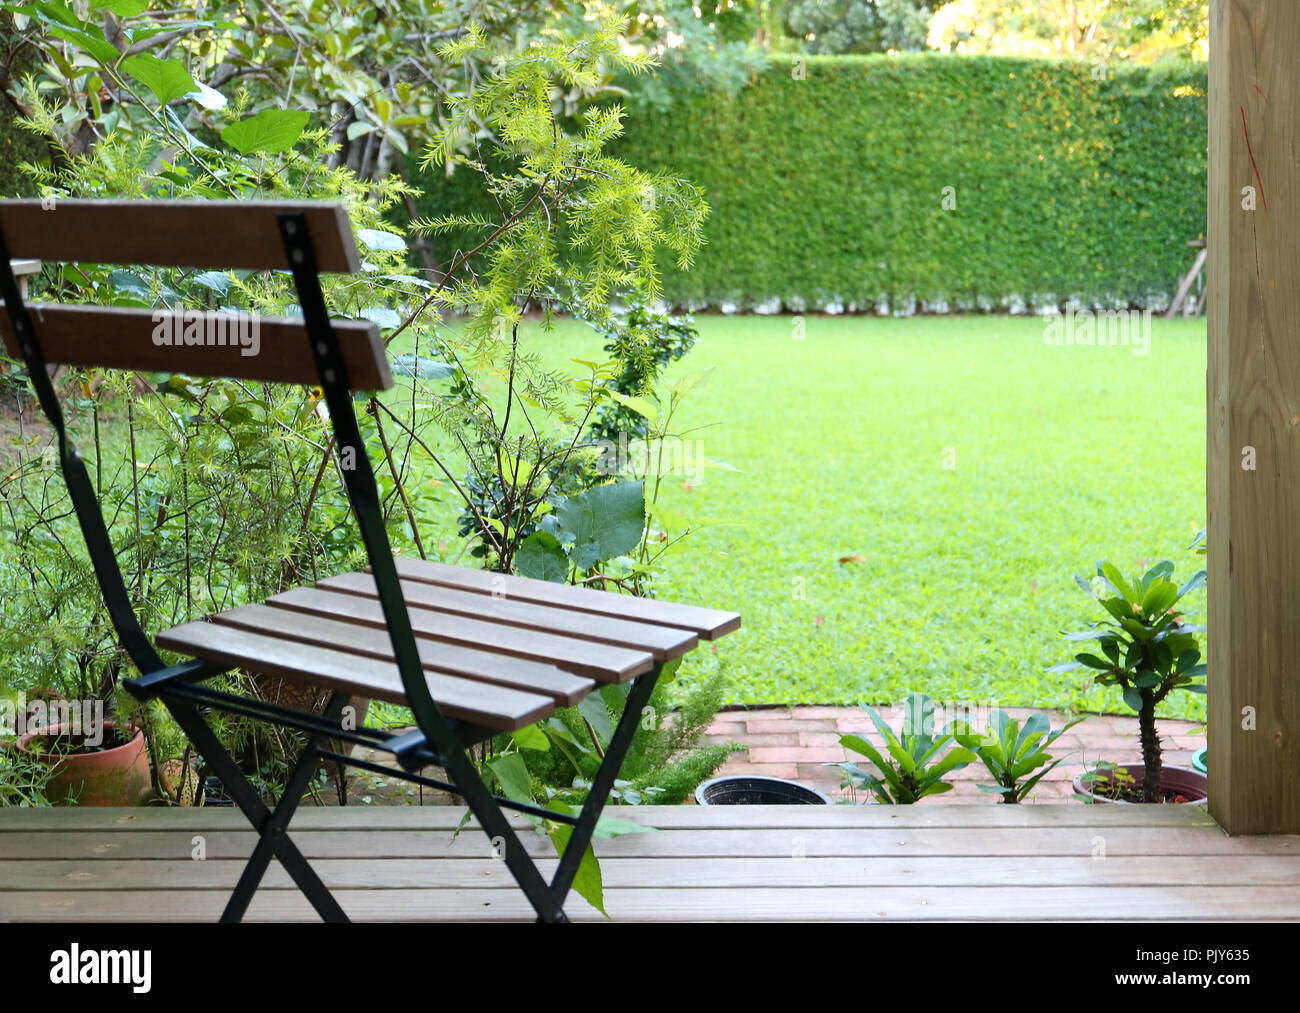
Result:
{"points": [[114, 337], [464, 699], [664, 642], [564, 688], [602, 662], [220, 234], [706, 623]]}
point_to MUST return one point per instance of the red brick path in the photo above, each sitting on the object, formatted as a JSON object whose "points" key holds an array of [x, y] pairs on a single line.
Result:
{"points": [[794, 742]]}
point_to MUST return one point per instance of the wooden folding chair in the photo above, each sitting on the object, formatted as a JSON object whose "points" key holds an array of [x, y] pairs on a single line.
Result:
{"points": [[471, 653]]}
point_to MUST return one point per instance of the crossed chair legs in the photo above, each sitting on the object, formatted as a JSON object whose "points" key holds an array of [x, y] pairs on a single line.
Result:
{"points": [[272, 826]]}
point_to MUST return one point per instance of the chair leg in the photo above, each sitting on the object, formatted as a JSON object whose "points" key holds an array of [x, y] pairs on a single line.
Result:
{"points": [[469, 783], [603, 783], [270, 827]]}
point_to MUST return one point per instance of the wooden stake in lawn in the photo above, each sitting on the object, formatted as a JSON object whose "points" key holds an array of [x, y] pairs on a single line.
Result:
{"points": [[1254, 416]]}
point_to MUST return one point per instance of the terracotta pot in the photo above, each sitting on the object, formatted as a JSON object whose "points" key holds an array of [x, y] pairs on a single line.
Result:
{"points": [[117, 776], [1191, 784]]}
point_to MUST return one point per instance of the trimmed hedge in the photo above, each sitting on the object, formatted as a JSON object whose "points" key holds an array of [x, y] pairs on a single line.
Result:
{"points": [[828, 192]]}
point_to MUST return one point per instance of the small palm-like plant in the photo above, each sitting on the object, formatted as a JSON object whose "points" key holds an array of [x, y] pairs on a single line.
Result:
{"points": [[1146, 649], [914, 767], [1012, 752]]}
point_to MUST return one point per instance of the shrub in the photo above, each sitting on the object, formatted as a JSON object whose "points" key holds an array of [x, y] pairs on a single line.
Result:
{"points": [[830, 191]]}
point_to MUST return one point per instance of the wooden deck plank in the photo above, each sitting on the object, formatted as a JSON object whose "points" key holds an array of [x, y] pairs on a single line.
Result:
{"points": [[602, 662], [707, 623], [706, 863], [692, 844], [670, 874], [1117, 903], [776, 817]]}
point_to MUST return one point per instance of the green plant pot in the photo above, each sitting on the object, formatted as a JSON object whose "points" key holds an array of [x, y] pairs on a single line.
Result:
{"points": [[1198, 760]]}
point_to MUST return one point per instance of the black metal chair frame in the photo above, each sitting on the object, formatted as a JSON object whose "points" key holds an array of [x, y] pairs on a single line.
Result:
{"points": [[437, 741]]}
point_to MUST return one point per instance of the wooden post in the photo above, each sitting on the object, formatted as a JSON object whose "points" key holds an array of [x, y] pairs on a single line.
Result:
{"points": [[1253, 477], [21, 269]]}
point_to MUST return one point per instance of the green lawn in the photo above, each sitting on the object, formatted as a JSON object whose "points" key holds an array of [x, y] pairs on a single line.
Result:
{"points": [[1061, 456]]}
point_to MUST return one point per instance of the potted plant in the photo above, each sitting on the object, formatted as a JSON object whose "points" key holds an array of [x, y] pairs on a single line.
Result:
{"points": [[103, 766], [1148, 651], [1012, 752], [916, 763]]}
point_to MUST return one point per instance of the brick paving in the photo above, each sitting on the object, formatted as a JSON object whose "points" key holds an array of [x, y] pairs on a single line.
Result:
{"points": [[794, 742]]}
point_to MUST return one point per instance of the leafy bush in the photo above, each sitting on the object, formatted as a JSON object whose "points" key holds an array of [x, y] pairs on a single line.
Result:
{"points": [[829, 191], [916, 762], [1147, 649], [1012, 752]]}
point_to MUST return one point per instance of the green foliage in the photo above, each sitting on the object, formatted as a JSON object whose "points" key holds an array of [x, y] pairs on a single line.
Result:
{"points": [[1091, 30], [1146, 648], [915, 761], [1065, 186], [859, 26], [1012, 753], [22, 778]]}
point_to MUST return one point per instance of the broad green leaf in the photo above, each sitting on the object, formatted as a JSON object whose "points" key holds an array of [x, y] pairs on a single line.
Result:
{"points": [[208, 98], [588, 882], [216, 281], [167, 79], [1092, 661], [422, 366], [1133, 698], [1116, 580], [1159, 597], [601, 523], [532, 737], [122, 8], [541, 557], [271, 130], [642, 406], [861, 745], [512, 772], [376, 239], [594, 710], [609, 827]]}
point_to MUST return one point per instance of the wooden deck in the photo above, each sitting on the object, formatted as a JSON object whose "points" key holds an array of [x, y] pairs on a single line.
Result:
{"points": [[925, 862]]}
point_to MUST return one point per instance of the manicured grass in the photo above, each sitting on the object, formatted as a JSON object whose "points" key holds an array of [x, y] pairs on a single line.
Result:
{"points": [[1061, 456]]}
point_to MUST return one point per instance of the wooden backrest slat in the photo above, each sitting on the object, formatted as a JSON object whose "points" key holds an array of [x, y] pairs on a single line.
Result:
{"points": [[181, 233], [272, 350]]}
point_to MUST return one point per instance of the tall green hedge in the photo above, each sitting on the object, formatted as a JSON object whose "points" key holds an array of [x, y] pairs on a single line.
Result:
{"points": [[829, 191]]}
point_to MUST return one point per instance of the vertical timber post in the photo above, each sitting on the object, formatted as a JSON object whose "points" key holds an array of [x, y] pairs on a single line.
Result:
{"points": [[1253, 470]]}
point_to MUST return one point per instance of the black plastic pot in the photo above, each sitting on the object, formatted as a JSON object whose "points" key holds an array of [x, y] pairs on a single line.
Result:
{"points": [[757, 791], [214, 792]]}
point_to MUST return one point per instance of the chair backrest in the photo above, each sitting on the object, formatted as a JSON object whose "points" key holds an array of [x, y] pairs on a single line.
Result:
{"points": [[228, 235], [304, 239]]}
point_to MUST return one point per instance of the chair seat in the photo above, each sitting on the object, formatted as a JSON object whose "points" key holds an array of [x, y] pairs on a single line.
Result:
{"points": [[500, 652]]}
